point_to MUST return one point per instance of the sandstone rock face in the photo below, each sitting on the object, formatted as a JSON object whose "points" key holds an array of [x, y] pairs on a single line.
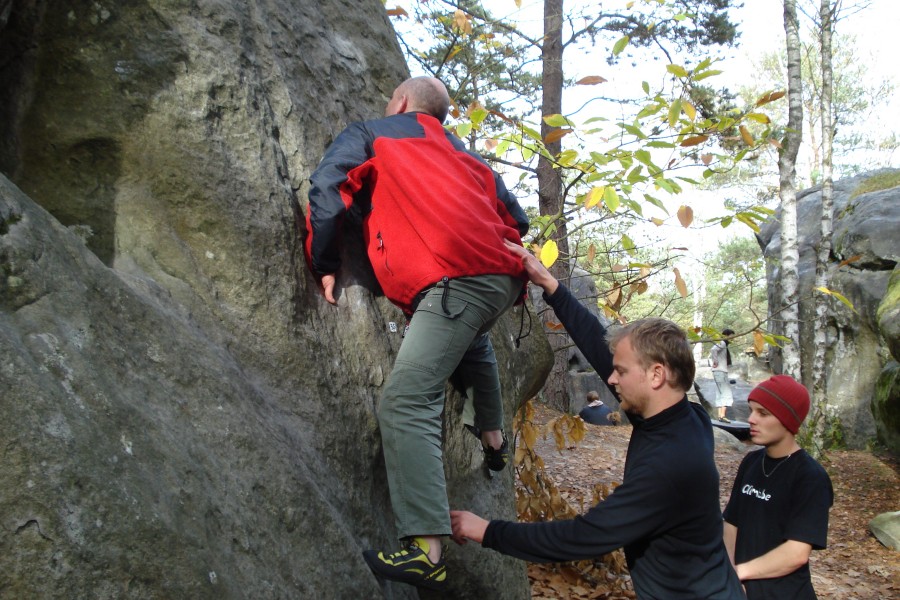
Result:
{"points": [[865, 235], [581, 376], [184, 415]]}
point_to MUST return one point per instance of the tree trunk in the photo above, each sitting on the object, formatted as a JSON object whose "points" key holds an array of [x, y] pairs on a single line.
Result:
{"points": [[819, 420], [790, 254], [550, 199]]}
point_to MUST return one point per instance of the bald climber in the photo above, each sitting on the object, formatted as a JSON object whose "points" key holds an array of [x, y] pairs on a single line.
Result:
{"points": [[435, 219]]}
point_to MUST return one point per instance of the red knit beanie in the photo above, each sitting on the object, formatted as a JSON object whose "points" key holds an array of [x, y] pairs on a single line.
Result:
{"points": [[782, 396]]}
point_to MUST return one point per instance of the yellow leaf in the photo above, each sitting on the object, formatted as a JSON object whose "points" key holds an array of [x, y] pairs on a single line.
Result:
{"points": [[518, 3], [549, 253], [759, 342], [770, 97], [680, 285], [556, 135], [657, 221], [591, 80], [685, 216], [689, 110], [745, 135], [613, 297], [591, 253], [491, 144], [461, 22], [759, 118], [397, 12], [694, 140], [594, 196]]}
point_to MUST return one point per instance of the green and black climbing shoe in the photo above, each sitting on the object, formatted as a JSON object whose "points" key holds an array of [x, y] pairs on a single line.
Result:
{"points": [[496, 460], [410, 565]]}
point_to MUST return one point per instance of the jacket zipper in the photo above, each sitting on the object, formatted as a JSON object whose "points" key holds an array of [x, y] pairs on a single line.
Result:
{"points": [[383, 251]]}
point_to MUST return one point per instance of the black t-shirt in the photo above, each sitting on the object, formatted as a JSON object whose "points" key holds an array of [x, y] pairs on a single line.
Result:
{"points": [[791, 503]]}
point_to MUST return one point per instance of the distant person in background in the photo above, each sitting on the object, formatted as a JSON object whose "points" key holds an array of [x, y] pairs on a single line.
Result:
{"points": [[778, 510], [720, 358], [597, 413]]}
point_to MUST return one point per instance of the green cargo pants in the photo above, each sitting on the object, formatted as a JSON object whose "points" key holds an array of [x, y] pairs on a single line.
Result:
{"points": [[447, 334]]}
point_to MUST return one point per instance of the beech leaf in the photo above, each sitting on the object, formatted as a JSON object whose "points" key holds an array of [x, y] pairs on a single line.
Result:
{"points": [[549, 253], [680, 285], [694, 140], [591, 80], [685, 216], [556, 135], [594, 196]]}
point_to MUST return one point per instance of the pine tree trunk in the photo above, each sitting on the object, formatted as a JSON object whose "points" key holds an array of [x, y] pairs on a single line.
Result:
{"points": [[790, 254], [550, 200], [819, 420]]}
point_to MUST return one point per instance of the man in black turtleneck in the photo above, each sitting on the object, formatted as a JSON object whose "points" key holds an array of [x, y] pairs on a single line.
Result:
{"points": [[666, 513]]}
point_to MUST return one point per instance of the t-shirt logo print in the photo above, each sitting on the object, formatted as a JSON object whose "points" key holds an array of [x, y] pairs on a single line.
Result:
{"points": [[752, 491]]}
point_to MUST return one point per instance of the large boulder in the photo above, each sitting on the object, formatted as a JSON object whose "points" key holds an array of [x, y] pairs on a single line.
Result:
{"points": [[864, 253], [183, 414]]}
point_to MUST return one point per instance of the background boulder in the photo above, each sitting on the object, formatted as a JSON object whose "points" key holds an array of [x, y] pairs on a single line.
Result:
{"points": [[184, 415], [864, 254]]}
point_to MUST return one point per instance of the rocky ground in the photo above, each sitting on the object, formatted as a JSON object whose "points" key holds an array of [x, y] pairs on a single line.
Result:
{"points": [[855, 566]]}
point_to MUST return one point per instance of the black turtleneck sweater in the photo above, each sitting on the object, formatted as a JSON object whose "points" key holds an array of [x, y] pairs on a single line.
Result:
{"points": [[666, 512]]}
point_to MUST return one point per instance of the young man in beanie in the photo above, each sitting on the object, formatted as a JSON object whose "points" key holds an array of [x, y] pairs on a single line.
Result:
{"points": [[778, 510]]}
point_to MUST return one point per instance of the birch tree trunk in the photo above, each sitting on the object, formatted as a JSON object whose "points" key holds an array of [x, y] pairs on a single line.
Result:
{"points": [[550, 200], [819, 417], [790, 254]]}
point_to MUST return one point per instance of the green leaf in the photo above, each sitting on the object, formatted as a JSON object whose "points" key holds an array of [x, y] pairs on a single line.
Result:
{"points": [[706, 74], [636, 207], [532, 133], [502, 147], [656, 202], [478, 115], [611, 199], [643, 156], [620, 45], [746, 220], [657, 144], [674, 112], [645, 86], [557, 121], [676, 70], [627, 243], [635, 131], [726, 222], [463, 129], [567, 157], [635, 174]]}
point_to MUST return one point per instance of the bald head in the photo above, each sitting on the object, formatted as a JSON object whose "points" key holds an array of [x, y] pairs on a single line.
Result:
{"points": [[420, 94]]}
